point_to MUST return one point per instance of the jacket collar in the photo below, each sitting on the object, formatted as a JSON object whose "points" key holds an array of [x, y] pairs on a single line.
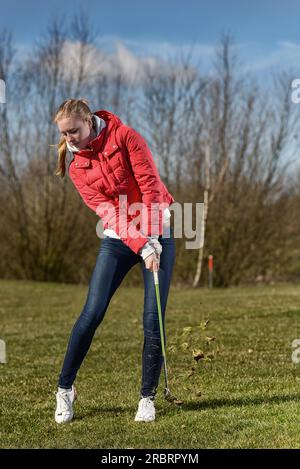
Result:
{"points": [[106, 125]]}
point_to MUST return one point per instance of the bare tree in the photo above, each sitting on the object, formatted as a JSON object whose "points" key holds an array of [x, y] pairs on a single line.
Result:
{"points": [[46, 210], [218, 138], [247, 136], [168, 97]]}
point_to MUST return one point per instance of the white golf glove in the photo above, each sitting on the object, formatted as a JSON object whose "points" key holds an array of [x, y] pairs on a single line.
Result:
{"points": [[153, 241], [152, 246]]}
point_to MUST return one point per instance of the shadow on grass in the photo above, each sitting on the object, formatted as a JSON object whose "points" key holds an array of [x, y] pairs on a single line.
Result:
{"points": [[191, 405], [216, 403], [113, 410]]}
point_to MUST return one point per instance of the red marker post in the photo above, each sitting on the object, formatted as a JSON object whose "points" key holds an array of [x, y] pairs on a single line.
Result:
{"points": [[210, 270]]}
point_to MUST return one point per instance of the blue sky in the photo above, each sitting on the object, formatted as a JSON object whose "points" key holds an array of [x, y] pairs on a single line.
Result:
{"points": [[267, 32]]}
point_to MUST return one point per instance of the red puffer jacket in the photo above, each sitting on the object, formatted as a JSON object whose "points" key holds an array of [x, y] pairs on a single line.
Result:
{"points": [[119, 162]]}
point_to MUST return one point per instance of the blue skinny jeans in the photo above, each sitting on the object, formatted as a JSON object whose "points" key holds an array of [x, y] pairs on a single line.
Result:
{"points": [[114, 260]]}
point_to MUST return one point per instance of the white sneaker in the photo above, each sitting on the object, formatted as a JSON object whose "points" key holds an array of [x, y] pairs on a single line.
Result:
{"points": [[146, 410], [64, 408]]}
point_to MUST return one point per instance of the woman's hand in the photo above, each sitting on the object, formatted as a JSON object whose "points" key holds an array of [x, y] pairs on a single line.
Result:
{"points": [[152, 262], [153, 241]]}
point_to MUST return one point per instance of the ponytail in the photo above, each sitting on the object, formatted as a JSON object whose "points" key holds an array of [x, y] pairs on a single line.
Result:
{"points": [[61, 160]]}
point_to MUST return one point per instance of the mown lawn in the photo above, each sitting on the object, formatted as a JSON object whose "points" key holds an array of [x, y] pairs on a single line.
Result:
{"points": [[244, 393]]}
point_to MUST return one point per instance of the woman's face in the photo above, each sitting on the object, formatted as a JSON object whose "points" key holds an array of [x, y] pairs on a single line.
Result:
{"points": [[76, 131]]}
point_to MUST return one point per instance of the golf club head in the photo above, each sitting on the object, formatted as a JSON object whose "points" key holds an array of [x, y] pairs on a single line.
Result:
{"points": [[170, 398]]}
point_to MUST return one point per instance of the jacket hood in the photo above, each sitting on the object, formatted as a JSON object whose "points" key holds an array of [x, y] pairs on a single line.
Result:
{"points": [[111, 119]]}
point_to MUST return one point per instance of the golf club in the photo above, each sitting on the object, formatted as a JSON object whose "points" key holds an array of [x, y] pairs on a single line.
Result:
{"points": [[167, 393]]}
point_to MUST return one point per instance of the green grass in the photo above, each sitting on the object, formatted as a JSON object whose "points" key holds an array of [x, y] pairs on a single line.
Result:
{"points": [[249, 386]]}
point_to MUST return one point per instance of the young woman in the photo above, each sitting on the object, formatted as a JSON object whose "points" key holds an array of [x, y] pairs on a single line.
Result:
{"points": [[105, 160]]}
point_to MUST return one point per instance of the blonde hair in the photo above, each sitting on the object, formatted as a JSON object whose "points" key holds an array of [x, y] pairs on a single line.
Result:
{"points": [[75, 108]]}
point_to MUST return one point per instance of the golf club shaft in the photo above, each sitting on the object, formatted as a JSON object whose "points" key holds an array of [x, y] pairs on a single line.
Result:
{"points": [[156, 283]]}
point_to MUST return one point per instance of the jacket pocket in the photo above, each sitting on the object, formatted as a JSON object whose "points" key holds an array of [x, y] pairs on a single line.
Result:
{"points": [[113, 156]]}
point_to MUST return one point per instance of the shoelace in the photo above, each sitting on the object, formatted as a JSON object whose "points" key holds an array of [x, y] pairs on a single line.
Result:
{"points": [[147, 403], [63, 402]]}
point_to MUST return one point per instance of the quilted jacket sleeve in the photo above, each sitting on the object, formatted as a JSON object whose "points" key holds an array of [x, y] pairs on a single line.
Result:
{"points": [[109, 214], [148, 180]]}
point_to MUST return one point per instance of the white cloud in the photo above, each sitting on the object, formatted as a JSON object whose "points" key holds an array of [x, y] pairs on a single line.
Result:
{"points": [[159, 50], [112, 56], [99, 62], [285, 55], [130, 57]]}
